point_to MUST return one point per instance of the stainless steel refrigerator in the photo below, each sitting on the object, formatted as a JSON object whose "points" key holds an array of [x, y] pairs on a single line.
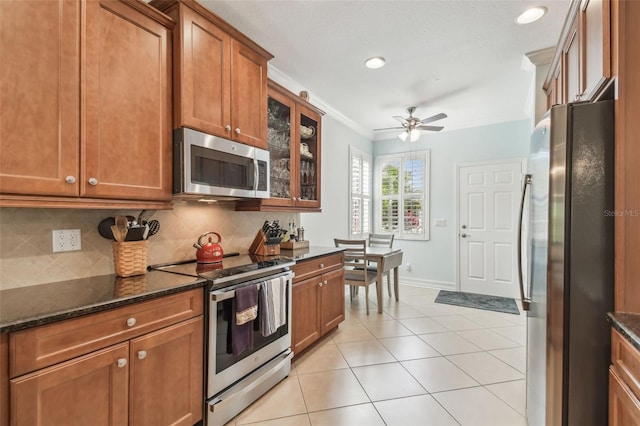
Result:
{"points": [[566, 264]]}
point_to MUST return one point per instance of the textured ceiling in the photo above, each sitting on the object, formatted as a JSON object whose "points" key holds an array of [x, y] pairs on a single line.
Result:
{"points": [[464, 58]]}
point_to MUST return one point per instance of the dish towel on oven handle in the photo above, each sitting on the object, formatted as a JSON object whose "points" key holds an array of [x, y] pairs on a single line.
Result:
{"points": [[244, 311], [272, 305]]}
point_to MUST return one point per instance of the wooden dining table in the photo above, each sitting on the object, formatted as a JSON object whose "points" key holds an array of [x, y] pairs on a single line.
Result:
{"points": [[386, 259]]}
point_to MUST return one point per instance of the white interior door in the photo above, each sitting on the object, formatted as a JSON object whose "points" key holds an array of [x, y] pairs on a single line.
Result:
{"points": [[487, 220]]}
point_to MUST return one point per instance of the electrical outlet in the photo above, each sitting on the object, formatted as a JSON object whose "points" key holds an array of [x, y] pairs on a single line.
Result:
{"points": [[66, 240], [440, 223], [407, 267]]}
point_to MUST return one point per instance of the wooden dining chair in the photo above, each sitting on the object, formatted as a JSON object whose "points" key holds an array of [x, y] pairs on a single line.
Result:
{"points": [[355, 256], [381, 240]]}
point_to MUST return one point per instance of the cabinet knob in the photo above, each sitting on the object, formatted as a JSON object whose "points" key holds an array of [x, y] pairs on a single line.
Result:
{"points": [[325, 282], [320, 284], [131, 322], [122, 362], [142, 354], [227, 127], [70, 179], [322, 265], [93, 181], [237, 130]]}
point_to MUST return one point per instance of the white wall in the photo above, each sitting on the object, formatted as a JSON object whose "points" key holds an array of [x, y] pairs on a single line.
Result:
{"points": [[333, 221], [433, 262]]}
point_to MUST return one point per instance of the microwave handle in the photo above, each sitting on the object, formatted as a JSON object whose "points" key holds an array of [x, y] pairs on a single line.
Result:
{"points": [[256, 175]]}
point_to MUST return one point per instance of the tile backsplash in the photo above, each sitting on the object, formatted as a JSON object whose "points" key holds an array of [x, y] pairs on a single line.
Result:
{"points": [[27, 258]]}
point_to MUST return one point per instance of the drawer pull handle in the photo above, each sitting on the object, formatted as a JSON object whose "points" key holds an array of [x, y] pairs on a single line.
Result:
{"points": [[131, 322], [142, 354], [122, 362], [322, 265]]}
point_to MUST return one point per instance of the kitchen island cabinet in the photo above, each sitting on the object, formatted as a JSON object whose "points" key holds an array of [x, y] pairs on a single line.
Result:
{"points": [[220, 75], [86, 105], [317, 299], [294, 142], [114, 367]]}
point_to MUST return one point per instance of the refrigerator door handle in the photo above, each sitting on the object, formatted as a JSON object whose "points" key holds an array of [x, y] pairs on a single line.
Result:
{"points": [[526, 301]]}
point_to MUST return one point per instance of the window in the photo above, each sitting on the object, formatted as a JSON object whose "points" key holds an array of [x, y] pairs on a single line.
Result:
{"points": [[402, 193], [360, 193]]}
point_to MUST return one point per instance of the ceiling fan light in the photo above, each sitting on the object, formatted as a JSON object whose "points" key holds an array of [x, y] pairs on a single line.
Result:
{"points": [[531, 15], [375, 62], [415, 135], [403, 136]]}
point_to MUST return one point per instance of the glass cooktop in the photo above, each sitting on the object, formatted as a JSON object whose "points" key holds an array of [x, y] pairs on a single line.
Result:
{"points": [[232, 267]]}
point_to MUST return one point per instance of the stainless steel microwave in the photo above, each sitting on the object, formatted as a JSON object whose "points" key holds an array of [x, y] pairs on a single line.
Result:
{"points": [[209, 166]]}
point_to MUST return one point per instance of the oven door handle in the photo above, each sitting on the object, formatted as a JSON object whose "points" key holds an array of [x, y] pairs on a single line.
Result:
{"points": [[218, 296]]}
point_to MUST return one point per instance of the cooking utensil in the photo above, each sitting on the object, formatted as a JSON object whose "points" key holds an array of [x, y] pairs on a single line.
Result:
{"points": [[154, 227], [115, 232], [104, 227], [144, 216], [122, 224], [136, 233]]}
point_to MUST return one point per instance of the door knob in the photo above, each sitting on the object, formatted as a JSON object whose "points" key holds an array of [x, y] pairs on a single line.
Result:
{"points": [[464, 235], [464, 226]]}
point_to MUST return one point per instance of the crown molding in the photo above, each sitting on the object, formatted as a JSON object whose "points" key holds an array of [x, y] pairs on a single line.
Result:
{"points": [[542, 56], [284, 80]]}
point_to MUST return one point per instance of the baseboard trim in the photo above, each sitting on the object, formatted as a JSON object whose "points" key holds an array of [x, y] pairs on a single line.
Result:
{"points": [[415, 282]]}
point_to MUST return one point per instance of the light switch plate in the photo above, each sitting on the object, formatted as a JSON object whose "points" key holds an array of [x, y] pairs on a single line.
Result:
{"points": [[66, 240]]}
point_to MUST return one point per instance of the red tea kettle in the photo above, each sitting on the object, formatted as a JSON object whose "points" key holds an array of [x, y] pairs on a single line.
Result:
{"points": [[210, 252]]}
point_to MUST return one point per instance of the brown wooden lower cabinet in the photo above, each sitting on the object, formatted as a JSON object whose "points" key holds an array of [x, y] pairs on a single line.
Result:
{"points": [[90, 390], [153, 376], [317, 300], [624, 383], [624, 407]]}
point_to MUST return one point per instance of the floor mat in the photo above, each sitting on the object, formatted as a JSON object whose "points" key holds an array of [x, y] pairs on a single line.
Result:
{"points": [[479, 301]]}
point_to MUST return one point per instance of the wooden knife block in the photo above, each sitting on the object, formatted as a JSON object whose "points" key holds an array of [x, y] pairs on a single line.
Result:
{"points": [[260, 247]]}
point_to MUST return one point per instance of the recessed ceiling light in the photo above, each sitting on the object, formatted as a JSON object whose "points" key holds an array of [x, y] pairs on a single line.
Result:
{"points": [[375, 62], [531, 15]]}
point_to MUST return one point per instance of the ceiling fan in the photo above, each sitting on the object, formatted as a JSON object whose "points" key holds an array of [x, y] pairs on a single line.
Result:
{"points": [[413, 125]]}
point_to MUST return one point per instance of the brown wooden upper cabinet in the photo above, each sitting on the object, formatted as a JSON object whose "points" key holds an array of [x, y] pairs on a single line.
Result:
{"points": [[294, 143], [220, 75], [85, 103], [582, 63]]}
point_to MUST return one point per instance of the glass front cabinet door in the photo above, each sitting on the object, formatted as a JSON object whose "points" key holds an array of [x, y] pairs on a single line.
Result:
{"points": [[293, 138]]}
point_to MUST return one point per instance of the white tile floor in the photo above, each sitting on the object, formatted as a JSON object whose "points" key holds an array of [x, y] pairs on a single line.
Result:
{"points": [[418, 363]]}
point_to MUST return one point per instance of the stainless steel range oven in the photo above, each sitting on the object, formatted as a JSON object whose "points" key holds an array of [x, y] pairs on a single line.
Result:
{"points": [[236, 379]]}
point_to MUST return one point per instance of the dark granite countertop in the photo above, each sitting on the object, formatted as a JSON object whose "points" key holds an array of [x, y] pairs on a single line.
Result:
{"points": [[310, 253], [31, 306], [628, 325], [46, 303]]}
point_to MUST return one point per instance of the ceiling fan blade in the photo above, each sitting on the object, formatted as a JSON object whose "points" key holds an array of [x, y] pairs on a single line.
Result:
{"points": [[434, 118], [431, 128], [402, 120], [390, 128]]}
